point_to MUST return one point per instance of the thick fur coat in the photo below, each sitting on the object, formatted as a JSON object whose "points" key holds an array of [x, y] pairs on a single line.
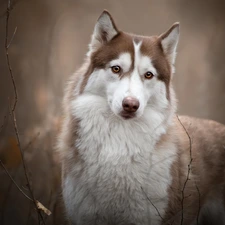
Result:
{"points": [[127, 158]]}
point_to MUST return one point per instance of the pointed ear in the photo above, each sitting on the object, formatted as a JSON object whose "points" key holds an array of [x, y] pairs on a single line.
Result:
{"points": [[169, 41], [104, 31]]}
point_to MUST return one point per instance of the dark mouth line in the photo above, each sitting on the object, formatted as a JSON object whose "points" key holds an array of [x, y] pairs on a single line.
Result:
{"points": [[127, 115]]}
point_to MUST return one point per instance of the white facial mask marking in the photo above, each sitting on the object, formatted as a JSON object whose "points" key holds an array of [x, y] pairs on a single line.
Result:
{"points": [[124, 61], [104, 82]]}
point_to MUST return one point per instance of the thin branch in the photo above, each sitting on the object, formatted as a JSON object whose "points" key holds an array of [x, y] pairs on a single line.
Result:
{"points": [[12, 38], [24, 166], [31, 141], [190, 142], [152, 203], [7, 55], [12, 5], [7, 172], [12, 113], [188, 173]]}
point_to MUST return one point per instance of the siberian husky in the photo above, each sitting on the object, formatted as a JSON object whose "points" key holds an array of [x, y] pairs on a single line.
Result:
{"points": [[127, 158]]}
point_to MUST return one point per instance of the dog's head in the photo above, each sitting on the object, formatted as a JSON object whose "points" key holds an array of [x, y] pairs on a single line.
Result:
{"points": [[131, 72]]}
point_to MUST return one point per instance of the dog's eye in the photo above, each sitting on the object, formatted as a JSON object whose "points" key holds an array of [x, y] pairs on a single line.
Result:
{"points": [[115, 69], [149, 75]]}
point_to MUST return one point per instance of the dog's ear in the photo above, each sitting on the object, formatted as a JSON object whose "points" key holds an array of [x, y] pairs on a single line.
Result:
{"points": [[104, 31], [169, 41]]}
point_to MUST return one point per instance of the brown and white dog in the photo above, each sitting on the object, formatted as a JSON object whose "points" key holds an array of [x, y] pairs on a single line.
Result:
{"points": [[126, 157]]}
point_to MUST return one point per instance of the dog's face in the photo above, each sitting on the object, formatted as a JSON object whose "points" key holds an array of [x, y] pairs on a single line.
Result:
{"points": [[131, 72]]}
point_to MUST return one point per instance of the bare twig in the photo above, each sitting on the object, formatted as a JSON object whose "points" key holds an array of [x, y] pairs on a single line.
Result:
{"points": [[31, 141], [152, 203], [7, 172], [12, 113], [7, 54], [188, 173], [12, 38], [12, 5]]}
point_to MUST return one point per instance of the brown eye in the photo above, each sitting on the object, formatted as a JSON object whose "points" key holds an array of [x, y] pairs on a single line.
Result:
{"points": [[149, 75], [115, 69]]}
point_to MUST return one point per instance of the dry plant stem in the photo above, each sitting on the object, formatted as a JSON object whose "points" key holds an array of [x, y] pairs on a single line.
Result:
{"points": [[152, 204], [12, 39], [13, 110], [12, 5], [7, 54], [188, 173], [24, 166], [7, 172], [31, 141]]}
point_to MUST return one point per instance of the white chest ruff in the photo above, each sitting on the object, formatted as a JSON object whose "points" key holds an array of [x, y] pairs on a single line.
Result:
{"points": [[122, 177]]}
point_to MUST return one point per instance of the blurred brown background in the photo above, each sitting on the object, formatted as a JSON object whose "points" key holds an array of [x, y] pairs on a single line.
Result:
{"points": [[50, 44]]}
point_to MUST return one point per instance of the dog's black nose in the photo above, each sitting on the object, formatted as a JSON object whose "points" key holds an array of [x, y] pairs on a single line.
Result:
{"points": [[130, 104]]}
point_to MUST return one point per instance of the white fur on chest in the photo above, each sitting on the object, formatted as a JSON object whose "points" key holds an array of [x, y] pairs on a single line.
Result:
{"points": [[122, 177]]}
